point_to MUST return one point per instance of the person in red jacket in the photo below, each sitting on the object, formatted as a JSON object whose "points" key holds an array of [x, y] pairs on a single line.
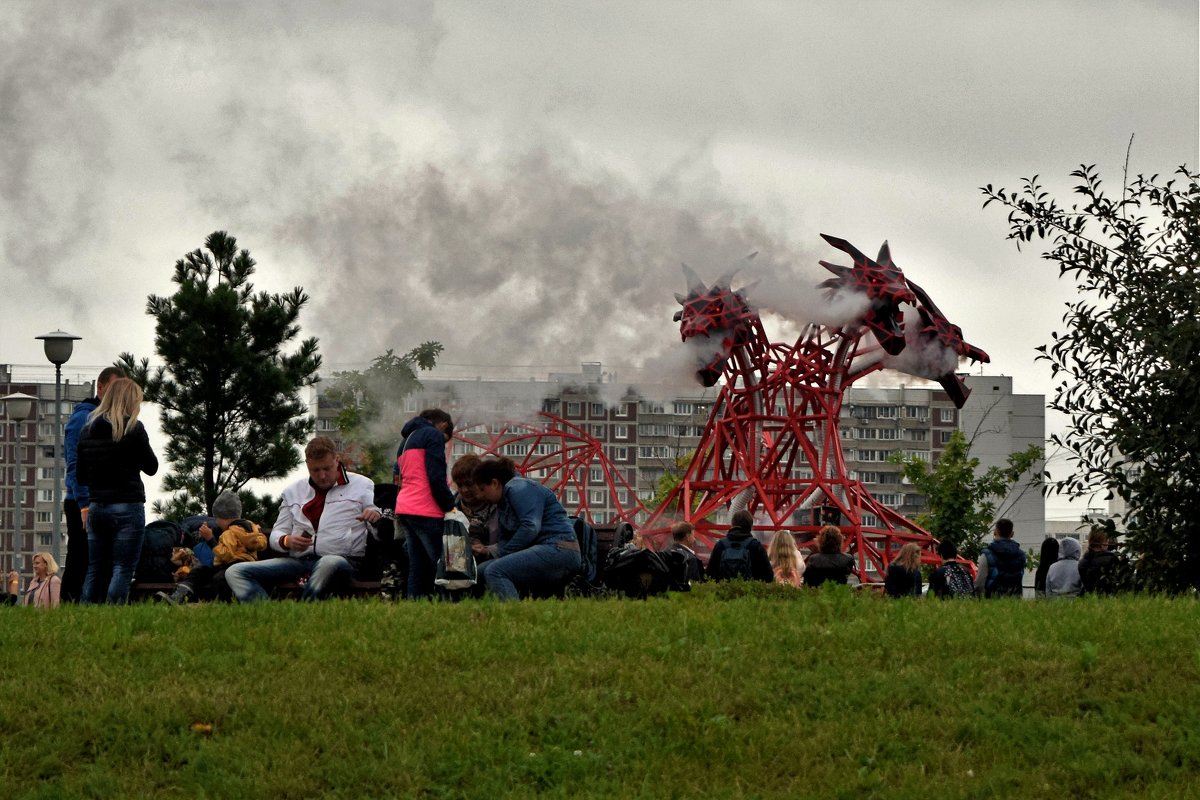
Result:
{"points": [[424, 496]]}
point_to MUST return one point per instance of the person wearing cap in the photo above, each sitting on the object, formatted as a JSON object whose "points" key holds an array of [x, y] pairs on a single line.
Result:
{"points": [[321, 528], [235, 540]]}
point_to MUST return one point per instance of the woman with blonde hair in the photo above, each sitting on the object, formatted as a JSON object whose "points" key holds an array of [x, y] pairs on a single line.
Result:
{"points": [[903, 577], [42, 591], [113, 452], [786, 561]]}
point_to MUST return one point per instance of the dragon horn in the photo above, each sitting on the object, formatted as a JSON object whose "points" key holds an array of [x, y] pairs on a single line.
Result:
{"points": [[695, 285], [845, 247]]}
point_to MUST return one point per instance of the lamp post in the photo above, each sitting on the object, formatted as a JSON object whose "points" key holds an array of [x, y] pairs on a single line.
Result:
{"points": [[58, 346], [19, 406]]}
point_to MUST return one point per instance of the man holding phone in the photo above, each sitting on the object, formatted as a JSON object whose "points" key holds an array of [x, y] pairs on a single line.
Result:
{"points": [[322, 529]]}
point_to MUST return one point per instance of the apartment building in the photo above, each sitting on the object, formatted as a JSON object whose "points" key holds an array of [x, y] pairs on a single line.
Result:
{"points": [[35, 462]]}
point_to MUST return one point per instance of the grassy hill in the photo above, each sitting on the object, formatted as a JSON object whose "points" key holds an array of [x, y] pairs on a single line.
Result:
{"points": [[730, 692]]}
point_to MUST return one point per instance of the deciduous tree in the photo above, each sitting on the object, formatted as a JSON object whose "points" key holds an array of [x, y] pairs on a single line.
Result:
{"points": [[1127, 363]]}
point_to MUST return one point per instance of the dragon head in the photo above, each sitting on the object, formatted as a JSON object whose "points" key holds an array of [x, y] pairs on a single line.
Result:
{"points": [[714, 319]]}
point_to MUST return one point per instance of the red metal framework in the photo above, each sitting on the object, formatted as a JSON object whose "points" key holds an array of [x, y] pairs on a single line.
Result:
{"points": [[772, 442], [564, 457]]}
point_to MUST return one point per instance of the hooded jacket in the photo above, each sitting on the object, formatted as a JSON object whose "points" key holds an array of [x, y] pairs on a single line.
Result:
{"points": [[424, 491], [1062, 579], [241, 541]]}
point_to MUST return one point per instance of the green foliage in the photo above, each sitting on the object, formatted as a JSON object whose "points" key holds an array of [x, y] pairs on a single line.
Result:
{"points": [[228, 393], [262, 509], [679, 697], [961, 500], [672, 476], [1128, 362], [372, 414]]}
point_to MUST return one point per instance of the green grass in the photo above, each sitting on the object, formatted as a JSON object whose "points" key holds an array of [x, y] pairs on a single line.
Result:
{"points": [[731, 692]]}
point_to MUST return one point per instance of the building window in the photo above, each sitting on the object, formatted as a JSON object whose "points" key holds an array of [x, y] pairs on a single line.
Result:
{"points": [[326, 424], [595, 475], [918, 434], [888, 412], [681, 407], [888, 499], [46, 473], [572, 497], [867, 433], [45, 495], [622, 496], [44, 516], [44, 539], [946, 414], [889, 433], [618, 453], [916, 412], [596, 497], [622, 409], [944, 436], [574, 408], [550, 406], [870, 521], [620, 431], [650, 407], [597, 410]]}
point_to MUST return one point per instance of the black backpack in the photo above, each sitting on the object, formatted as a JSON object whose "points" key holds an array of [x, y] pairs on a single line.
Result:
{"points": [[161, 538], [735, 560], [589, 547], [958, 582]]}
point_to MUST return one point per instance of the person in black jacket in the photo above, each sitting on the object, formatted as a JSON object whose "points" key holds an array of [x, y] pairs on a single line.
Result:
{"points": [[829, 563], [903, 578], [751, 563], [1099, 566], [113, 452]]}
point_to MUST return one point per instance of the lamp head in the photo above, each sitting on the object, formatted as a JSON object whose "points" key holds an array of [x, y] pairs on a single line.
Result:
{"points": [[19, 406], [58, 346]]}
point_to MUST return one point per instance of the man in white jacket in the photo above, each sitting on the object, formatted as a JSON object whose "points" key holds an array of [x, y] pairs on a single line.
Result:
{"points": [[322, 529]]}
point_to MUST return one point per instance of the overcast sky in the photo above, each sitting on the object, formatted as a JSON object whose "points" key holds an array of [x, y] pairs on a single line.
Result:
{"points": [[521, 180]]}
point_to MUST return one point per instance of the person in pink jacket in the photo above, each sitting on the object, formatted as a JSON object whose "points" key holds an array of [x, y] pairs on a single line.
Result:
{"points": [[424, 496], [45, 588]]}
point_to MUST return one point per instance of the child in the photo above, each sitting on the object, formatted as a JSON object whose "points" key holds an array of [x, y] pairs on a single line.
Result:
{"points": [[238, 540], [786, 561]]}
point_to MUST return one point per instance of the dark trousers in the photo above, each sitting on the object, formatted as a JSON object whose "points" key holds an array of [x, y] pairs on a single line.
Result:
{"points": [[75, 568]]}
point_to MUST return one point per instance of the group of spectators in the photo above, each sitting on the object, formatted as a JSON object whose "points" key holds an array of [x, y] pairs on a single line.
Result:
{"points": [[1063, 572], [520, 535]]}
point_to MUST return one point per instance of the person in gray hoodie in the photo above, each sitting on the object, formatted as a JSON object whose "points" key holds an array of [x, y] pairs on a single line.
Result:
{"points": [[1062, 579]]}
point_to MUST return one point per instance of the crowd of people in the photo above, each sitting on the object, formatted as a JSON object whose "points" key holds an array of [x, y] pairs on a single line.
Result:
{"points": [[520, 536]]}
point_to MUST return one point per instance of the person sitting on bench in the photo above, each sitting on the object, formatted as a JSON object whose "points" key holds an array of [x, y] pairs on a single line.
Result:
{"points": [[537, 552], [322, 527]]}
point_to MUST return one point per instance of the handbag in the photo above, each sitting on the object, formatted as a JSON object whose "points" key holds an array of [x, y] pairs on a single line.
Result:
{"points": [[456, 568]]}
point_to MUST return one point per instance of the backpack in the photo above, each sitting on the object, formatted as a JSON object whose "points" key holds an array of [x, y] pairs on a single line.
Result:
{"points": [[636, 573], [958, 582], [585, 534], [735, 561]]}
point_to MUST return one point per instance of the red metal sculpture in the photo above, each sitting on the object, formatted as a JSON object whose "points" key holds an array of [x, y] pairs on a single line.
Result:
{"points": [[772, 443]]}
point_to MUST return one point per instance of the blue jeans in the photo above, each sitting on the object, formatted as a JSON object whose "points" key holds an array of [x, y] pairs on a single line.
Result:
{"points": [[246, 579], [114, 534], [423, 541], [543, 568]]}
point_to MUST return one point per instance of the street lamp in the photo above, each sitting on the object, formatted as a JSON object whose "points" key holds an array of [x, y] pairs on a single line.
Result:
{"points": [[58, 347], [19, 406]]}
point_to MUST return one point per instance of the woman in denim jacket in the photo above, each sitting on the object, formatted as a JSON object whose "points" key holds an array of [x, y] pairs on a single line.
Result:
{"points": [[537, 552]]}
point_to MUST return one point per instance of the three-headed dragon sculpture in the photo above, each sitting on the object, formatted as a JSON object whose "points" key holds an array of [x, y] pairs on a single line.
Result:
{"points": [[772, 442]]}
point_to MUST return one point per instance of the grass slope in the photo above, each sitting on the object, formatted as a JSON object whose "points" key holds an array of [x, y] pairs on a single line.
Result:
{"points": [[731, 692]]}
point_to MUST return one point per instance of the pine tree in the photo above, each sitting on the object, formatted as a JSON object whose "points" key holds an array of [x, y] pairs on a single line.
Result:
{"points": [[228, 392]]}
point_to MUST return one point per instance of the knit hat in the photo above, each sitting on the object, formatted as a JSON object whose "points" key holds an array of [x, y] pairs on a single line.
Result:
{"points": [[227, 506]]}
